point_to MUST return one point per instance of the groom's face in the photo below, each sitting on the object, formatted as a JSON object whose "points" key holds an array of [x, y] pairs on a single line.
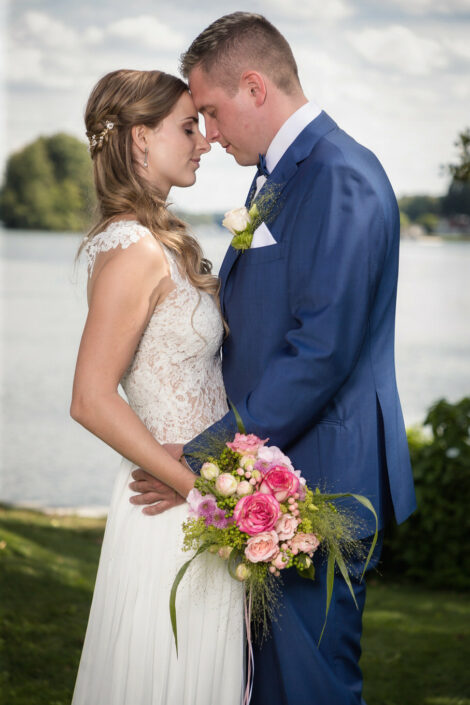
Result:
{"points": [[229, 120]]}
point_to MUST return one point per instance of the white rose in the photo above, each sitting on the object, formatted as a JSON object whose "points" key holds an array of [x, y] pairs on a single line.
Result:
{"points": [[244, 488], [247, 461], [210, 471], [237, 220], [226, 484]]}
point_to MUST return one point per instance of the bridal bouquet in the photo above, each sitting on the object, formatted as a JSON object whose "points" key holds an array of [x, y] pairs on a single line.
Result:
{"points": [[252, 508]]}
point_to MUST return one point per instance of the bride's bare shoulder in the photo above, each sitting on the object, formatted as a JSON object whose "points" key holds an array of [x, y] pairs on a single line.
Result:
{"points": [[126, 252]]}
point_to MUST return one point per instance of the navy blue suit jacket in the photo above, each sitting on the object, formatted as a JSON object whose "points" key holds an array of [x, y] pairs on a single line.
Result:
{"points": [[309, 361]]}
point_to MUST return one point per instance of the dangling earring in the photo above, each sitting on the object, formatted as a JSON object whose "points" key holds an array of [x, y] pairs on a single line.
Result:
{"points": [[146, 153]]}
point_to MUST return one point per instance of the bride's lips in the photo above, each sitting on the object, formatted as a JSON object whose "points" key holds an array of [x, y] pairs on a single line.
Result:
{"points": [[196, 161]]}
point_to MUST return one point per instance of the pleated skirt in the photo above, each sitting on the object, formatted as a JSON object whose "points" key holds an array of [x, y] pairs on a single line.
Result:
{"points": [[129, 655]]}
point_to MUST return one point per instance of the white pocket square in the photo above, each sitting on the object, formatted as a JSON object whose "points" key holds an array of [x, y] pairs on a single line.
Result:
{"points": [[262, 237]]}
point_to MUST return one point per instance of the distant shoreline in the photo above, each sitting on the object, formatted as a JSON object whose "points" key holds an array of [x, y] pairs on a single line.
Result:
{"points": [[85, 512], [215, 219]]}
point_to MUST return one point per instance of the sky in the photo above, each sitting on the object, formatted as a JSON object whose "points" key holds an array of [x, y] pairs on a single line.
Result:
{"points": [[395, 74]]}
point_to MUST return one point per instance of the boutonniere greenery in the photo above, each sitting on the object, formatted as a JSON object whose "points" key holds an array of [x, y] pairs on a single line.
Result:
{"points": [[242, 223]]}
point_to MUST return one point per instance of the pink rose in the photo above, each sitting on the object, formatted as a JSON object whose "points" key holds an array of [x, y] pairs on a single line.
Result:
{"points": [[286, 526], [305, 543], [256, 513], [262, 547], [226, 484], [272, 455], [246, 444], [280, 561], [280, 482]]}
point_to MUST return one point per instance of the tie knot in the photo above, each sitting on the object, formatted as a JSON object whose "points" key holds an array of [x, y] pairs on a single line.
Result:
{"points": [[262, 168]]}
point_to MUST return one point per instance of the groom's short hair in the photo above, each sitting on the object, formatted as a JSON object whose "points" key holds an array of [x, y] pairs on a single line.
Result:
{"points": [[240, 41]]}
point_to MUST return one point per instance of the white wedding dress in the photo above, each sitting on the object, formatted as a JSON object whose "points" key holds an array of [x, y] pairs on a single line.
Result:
{"points": [[174, 384]]}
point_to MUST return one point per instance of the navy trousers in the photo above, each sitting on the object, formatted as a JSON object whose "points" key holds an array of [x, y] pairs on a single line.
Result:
{"points": [[290, 668]]}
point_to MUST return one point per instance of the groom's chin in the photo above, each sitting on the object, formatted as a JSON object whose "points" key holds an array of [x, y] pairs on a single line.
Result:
{"points": [[245, 161]]}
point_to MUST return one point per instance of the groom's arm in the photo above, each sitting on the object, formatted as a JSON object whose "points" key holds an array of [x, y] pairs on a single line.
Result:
{"points": [[339, 243]]}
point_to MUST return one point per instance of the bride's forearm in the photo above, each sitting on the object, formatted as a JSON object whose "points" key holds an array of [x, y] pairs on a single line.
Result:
{"points": [[111, 419]]}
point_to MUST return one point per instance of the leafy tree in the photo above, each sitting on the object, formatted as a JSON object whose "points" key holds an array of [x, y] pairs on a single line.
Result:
{"points": [[457, 199], [429, 221], [416, 206], [461, 170], [48, 186]]}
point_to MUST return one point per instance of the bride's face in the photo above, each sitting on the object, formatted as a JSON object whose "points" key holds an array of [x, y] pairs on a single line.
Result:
{"points": [[174, 147]]}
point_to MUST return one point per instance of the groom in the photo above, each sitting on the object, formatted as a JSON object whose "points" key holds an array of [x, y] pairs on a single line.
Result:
{"points": [[309, 361]]}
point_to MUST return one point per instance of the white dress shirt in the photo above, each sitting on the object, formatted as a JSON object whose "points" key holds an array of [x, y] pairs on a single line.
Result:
{"points": [[286, 135]]}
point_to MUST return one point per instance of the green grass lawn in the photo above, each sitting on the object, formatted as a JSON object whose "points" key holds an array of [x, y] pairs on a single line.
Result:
{"points": [[416, 645]]}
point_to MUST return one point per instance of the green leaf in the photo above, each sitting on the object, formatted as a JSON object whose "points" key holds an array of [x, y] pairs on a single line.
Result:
{"points": [[330, 579], [238, 418], [174, 588], [345, 574], [368, 505]]}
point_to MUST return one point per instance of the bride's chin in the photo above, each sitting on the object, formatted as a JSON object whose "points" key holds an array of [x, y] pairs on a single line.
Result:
{"points": [[187, 181]]}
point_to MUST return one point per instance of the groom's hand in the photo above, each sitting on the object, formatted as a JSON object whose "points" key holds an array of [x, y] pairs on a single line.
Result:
{"points": [[155, 495]]}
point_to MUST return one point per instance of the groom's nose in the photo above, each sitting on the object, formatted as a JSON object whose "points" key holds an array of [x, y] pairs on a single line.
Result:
{"points": [[212, 131]]}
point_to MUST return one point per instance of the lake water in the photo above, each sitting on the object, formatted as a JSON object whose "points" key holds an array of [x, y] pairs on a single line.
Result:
{"points": [[50, 461]]}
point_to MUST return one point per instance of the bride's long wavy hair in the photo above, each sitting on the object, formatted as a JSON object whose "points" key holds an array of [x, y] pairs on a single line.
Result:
{"points": [[126, 98]]}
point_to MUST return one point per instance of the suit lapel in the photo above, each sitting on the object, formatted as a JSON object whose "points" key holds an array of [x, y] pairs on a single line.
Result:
{"points": [[284, 171], [299, 150]]}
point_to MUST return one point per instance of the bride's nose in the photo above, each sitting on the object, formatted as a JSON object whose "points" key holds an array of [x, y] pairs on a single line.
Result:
{"points": [[203, 145]]}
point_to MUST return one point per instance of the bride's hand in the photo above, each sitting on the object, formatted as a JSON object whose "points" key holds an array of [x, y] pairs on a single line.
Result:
{"points": [[155, 495]]}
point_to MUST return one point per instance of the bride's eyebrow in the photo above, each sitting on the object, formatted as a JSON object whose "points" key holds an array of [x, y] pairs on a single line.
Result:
{"points": [[190, 117]]}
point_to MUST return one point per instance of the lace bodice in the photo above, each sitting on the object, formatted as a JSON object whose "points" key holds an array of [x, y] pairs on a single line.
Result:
{"points": [[174, 381]]}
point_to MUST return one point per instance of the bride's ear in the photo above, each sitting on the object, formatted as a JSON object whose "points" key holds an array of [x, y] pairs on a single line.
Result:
{"points": [[139, 137]]}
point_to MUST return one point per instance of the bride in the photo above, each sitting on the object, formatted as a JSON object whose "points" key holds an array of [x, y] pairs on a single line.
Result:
{"points": [[153, 326]]}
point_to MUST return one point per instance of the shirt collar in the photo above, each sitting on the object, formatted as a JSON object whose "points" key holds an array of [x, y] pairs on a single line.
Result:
{"points": [[289, 131]]}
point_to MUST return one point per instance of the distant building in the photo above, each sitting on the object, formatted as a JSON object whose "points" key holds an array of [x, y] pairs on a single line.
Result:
{"points": [[454, 225], [414, 231]]}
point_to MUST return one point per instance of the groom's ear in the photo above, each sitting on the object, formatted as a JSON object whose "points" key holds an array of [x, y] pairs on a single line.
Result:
{"points": [[254, 84]]}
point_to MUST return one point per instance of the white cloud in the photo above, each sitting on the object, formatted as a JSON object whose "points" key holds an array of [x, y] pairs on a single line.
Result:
{"points": [[319, 10], [400, 49], [459, 47], [50, 32], [93, 35], [146, 30], [422, 7]]}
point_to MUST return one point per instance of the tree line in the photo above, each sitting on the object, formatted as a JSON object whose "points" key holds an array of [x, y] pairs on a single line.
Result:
{"points": [[48, 185]]}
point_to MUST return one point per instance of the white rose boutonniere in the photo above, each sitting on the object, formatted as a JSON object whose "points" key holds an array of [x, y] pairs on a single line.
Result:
{"points": [[242, 223]]}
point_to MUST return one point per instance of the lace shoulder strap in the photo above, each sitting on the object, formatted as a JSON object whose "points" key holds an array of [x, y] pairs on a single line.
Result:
{"points": [[119, 234]]}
